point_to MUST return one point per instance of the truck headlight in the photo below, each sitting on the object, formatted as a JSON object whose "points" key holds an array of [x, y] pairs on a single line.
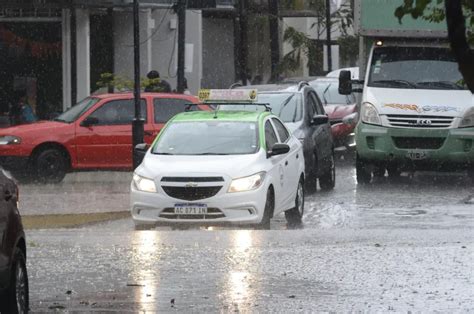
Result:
{"points": [[9, 139], [369, 114], [144, 184], [468, 119], [247, 183]]}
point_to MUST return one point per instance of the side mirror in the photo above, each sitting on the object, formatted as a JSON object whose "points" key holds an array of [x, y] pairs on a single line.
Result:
{"points": [[319, 119], [345, 83], [278, 149], [140, 151], [89, 121]]}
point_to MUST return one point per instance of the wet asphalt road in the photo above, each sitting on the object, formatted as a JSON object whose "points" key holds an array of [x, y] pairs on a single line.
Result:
{"points": [[404, 245]]}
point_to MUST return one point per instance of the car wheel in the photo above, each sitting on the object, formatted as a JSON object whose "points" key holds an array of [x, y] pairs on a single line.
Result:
{"points": [[363, 173], [311, 182], [16, 296], [379, 172], [51, 166], [294, 215], [268, 211], [328, 180]]}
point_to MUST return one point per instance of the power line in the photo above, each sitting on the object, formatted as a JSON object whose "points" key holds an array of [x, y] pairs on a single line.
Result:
{"points": [[157, 28]]}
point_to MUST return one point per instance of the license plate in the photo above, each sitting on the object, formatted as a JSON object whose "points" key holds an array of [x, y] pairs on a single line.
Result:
{"points": [[190, 209], [417, 155]]}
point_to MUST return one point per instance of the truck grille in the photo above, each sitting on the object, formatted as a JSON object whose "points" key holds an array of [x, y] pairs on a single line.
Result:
{"points": [[415, 121], [191, 193], [418, 142], [212, 213]]}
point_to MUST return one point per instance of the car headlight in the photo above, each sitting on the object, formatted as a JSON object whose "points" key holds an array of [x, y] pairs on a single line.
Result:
{"points": [[144, 184], [369, 114], [351, 118], [468, 119], [247, 184], [9, 139]]}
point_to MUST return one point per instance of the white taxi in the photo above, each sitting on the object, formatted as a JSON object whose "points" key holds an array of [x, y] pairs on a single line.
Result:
{"points": [[220, 167]]}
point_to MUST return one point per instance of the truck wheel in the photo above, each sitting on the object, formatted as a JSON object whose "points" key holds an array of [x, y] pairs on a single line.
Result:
{"points": [[363, 173], [393, 171], [328, 180], [294, 215], [50, 165], [268, 211], [16, 296]]}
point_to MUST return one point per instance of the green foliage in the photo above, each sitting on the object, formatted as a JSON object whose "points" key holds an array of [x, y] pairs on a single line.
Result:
{"points": [[118, 83], [433, 11]]}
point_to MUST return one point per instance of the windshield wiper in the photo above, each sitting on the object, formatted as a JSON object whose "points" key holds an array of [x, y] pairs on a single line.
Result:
{"points": [[388, 82], [285, 103], [163, 154], [440, 84], [209, 153], [324, 94]]}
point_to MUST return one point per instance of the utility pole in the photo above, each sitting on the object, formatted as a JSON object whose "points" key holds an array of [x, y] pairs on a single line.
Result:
{"points": [[181, 12], [274, 38], [243, 40], [138, 122], [328, 34]]}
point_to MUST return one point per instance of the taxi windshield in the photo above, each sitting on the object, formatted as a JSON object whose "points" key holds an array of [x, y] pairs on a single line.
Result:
{"points": [[73, 113], [287, 106], [208, 138]]}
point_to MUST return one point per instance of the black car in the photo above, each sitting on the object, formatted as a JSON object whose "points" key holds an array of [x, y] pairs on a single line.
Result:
{"points": [[13, 275], [303, 113]]}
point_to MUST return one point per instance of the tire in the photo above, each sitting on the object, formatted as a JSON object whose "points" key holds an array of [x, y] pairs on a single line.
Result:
{"points": [[268, 211], [328, 180], [363, 173], [17, 294], [311, 182], [379, 172], [294, 215], [50, 165]]}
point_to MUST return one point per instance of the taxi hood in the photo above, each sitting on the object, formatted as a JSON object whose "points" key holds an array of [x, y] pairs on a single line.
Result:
{"points": [[232, 166], [451, 103]]}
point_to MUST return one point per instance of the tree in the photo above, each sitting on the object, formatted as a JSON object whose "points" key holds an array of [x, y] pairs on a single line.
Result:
{"points": [[455, 12], [311, 47]]}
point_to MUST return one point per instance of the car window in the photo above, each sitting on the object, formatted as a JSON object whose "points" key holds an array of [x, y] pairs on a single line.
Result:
{"points": [[282, 131], [118, 112], [317, 103], [270, 135], [166, 108], [310, 106]]}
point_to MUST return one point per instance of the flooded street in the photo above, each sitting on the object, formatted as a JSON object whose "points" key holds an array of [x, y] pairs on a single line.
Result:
{"points": [[390, 246]]}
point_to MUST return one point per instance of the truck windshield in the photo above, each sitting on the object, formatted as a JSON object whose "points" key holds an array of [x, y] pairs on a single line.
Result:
{"points": [[73, 113], [208, 138], [414, 67]]}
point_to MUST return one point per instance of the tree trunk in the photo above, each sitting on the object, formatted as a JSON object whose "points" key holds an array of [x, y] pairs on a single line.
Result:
{"points": [[457, 38]]}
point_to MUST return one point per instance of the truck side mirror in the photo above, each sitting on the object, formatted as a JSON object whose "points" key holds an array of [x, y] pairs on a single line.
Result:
{"points": [[345, 83]]}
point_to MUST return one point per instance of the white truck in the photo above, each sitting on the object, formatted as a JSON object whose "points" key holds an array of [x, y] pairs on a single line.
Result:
{"points": [[416, 112]]}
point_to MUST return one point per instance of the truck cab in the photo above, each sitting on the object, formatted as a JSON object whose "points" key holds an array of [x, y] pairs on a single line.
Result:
{"points": [[416, 113]]}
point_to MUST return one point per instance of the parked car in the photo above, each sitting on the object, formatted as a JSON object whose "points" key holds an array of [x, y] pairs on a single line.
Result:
{"points": [[14, 296], [94, 134], [341, 109], [300, 108], [220, 167]]}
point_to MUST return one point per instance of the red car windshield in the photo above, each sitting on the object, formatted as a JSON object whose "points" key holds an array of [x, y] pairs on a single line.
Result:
{"points": [[73, 113]]}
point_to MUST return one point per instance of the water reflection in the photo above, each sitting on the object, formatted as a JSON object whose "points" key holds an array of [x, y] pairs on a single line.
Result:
{"points": [[144, 275], [240, 287]]}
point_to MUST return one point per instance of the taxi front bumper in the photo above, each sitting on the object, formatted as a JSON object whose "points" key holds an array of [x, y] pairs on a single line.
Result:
{"points": [[223, 208], [416, 147]]}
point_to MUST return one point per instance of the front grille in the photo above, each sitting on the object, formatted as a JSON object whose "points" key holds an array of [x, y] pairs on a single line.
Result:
{"points": [[415, 121], [418, 142], [212, 213], [192, 179], [191, 193]]}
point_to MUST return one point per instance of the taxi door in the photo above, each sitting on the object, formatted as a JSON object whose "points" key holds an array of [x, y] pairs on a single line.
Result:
{"points": [[291, 163], [279, 169], [104, 137]]}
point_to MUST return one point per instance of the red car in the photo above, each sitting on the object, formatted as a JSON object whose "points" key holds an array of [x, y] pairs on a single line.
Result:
{"points": [[341, 109], [94, 134]]}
